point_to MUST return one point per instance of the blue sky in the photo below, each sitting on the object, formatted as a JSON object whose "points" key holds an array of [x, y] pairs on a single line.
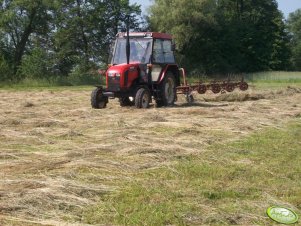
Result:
{"points": [[286, 6]]}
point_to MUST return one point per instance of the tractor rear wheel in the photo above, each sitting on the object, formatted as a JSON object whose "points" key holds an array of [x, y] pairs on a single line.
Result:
{"points": [[98, 100], [167, 90], [143, 98]]}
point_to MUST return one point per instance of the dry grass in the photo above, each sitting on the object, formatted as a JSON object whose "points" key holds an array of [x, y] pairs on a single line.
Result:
{"points": [[58, 156]]}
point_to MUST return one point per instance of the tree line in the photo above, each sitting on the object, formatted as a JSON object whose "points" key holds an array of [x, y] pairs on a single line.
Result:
{"points": [[46, 38], [229, 36]]}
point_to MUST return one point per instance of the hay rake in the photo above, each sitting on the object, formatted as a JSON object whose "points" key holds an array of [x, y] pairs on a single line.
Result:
{"points": [[216, 86]]}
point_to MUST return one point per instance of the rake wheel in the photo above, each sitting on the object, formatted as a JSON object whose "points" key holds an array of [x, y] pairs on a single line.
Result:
{"points": [[216, 88]]}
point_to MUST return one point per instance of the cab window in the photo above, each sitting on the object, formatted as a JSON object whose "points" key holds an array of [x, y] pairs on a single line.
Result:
{"points": [[163, 51]]}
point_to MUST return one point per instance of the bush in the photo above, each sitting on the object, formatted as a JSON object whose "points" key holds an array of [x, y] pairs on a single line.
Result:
{"points": [[84, 75], [36, 65], [6, 72]]}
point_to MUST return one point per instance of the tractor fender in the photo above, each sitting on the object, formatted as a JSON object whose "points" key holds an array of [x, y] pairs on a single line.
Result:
{"points": [[174, 69]]}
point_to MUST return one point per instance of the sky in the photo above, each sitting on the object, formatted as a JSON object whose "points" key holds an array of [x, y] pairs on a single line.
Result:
{"points": [[286, 6]]}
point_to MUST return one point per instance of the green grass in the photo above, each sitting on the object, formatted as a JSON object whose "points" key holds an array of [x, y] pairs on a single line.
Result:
{"points": [[258, 77], [265, 79], [274, 77], [228, 184], [41, 87], [274, 86], [53, 82]]}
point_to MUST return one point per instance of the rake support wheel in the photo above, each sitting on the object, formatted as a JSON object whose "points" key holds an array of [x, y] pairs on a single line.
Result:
{"points": [[189, 98]]}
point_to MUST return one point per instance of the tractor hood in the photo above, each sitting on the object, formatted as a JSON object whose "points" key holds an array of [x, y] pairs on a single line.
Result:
{"points": [[121, 77], [121, 69]]}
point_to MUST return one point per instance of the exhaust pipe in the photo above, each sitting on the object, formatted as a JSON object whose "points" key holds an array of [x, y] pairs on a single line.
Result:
{"points": [[128, 45]]}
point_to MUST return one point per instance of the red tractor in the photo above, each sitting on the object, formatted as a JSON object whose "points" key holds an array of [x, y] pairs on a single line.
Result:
{"points": [[143, 68]]}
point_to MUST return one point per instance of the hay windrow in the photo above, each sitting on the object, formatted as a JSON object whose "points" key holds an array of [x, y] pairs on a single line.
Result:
{"points": [[253, 96]]}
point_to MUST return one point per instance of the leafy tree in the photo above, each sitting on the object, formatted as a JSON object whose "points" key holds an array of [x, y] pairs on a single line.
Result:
{"points": [[85, 30], [37, 64], [19, 19], [5, 69], [294, 27], [225, 36], [260, 41], [59, 37]]}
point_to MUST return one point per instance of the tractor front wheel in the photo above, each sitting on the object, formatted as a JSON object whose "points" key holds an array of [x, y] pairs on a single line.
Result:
{"points": [[142, 98], [98, 100]]}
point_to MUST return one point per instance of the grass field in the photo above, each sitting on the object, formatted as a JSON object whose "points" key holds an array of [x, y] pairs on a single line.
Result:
{"points": [[232, 183], [223, 160]]}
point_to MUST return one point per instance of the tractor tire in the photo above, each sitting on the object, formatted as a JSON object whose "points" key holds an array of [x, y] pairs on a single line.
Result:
{"points": [[167, 90], [142, 98], [98, 101], [125, 101]]}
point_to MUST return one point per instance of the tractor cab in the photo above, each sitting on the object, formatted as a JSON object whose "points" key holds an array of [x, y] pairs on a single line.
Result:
{"points": [[145, 48]]}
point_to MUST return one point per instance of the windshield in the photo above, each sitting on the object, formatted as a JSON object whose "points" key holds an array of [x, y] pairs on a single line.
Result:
{"points": [[141, 50]]}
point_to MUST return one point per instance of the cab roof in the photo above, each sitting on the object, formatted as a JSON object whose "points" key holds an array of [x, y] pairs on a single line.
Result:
{"points": [[146, 35]]}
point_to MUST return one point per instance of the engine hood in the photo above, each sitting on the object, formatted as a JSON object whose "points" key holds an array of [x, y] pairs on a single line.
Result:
{"points": [[122, 68]]}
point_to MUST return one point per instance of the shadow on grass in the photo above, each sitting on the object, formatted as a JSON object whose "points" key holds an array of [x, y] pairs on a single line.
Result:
{"points": [[204, 105]]}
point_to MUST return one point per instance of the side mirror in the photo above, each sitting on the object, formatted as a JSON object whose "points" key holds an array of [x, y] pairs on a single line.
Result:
{"points": [[111, 47]]}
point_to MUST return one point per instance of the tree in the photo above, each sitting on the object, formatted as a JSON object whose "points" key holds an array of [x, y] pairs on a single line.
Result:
{"points": [[36, 65], [294, 27], [19, 19], [85, 29], [225, 36], [259, 32], [60, 36]]}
